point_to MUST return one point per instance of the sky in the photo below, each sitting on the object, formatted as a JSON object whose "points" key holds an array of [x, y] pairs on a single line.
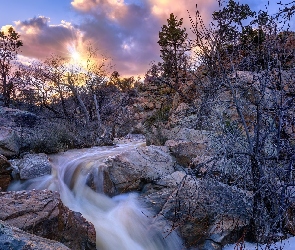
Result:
{"points": [[126, 31]]}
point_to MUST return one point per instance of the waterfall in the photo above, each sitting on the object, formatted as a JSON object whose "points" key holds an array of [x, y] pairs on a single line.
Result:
{"points": [[120, 222]]}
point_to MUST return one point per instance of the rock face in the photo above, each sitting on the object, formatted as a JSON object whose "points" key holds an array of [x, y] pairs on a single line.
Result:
{"points": [[188, 144], [5, 173], [16, 126], [31, 166], [131, 170], [290, 219], [43, 214], [9, 142], [202, 209], [14, 238], [10, 117]]}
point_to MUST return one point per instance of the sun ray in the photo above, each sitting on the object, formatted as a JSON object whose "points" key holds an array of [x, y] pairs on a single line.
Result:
{"points": [[74, 54]]}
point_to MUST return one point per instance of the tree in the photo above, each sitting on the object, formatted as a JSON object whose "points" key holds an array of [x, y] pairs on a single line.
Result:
{"points": [[10, 44], [174, 45], [170, 75], [253, 108], [125, 84]]}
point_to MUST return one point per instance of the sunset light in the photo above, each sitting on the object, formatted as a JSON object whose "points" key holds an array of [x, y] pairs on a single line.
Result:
{"points": [[126, 31], [75, 55], [147, 124]]}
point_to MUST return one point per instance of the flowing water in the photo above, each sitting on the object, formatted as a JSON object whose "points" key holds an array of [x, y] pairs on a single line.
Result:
{"points": [[120, 221]]}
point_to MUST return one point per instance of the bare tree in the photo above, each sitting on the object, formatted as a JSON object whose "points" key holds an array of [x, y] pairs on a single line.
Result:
{"points": [[244, 71], [255, 109]]}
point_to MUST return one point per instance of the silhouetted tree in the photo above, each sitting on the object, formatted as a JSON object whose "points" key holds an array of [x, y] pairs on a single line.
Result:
{"points": [[10, 44], [174, 45]]}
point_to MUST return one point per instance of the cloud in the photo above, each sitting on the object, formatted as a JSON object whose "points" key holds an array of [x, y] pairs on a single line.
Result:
{"points": [[124, 30], [42, 39], [128, 31]]}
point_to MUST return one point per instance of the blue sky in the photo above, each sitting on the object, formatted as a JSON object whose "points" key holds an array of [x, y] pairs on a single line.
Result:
{"points": [[124, 30], [14, 10]]}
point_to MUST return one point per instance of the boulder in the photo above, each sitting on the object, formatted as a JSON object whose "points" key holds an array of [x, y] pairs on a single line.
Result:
{"points": [[182, 115], [290, 219], [188, 145], [31, 166], [16, 118], [9, 142], [131, 170], [43, 214], [203, 210], [14, 238], [5, 173]]}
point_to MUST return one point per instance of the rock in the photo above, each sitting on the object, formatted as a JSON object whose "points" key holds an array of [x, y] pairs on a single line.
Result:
{"points": [[4, 163], [155, 135], [182, 116], [186, 134], [31, 166], [202, 209], [14, 238], [211, 245], [189, 145], [43, 214], [9, 142], [5, 173], [10, 117], [290, 219], [185, 151], [131, 170]]}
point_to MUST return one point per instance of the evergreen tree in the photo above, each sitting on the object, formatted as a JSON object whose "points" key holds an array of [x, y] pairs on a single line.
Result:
{"points": [[174, 44], [9, 46]]}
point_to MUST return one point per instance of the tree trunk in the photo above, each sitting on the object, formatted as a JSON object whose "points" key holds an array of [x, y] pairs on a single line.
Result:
{"points": [[6, 96], [62, 101], [97, 113], [76, 94], [258, 219]]}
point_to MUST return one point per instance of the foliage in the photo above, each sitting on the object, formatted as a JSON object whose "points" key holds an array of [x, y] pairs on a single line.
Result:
{"points": [[10, 44], [51, 138], [159, 116], [244, 65], [174, 45]]}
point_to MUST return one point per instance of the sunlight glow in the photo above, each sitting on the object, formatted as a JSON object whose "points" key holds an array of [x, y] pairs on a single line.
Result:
{"points": [[75, 55]]}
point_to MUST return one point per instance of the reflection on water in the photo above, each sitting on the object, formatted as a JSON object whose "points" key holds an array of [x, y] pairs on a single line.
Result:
{"points": [[120, 222]]}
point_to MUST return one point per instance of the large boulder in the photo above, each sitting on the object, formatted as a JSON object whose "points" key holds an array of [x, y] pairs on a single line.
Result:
{"points": [[188, 145], [16, 118], [42, 213], [14, 238], [9, 142], [5, 173], [31, 166], [183, 115], [131, 170], [204, 210]]}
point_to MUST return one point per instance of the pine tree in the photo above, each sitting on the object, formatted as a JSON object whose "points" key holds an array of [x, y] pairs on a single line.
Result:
{"points": [[174, 45], [9, 46]]}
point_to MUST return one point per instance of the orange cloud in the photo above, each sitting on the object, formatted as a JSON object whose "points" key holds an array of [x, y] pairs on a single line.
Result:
{"points": [[126, 31], [163, 8], [42, 39]]}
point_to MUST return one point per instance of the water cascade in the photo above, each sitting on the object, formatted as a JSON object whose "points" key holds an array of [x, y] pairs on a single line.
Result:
{"points": [[120, 222]]}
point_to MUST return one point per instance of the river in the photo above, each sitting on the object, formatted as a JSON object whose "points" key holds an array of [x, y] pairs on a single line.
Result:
{"points": [[121, 222]]}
